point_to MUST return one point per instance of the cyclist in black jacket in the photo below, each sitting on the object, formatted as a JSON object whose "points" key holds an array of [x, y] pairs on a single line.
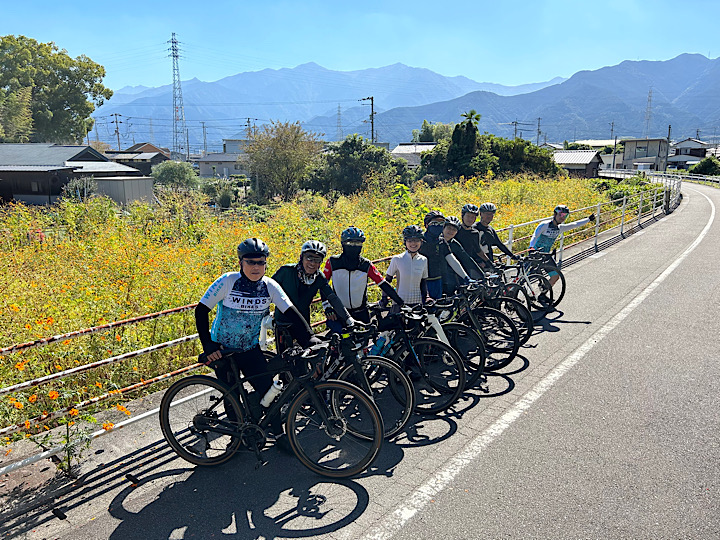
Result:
{"points": [[302, 281], [489, 238], [470, 239]]}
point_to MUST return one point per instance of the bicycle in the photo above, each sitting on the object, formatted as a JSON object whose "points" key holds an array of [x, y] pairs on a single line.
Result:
{"points": [[347, 360], [534, 288], [333, 427], [435, 368]]}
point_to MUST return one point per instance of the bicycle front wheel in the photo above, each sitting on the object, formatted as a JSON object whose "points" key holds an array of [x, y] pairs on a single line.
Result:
{"points": [[437, 372], [322, 431], [555, 279], [190, 412], [519, 314], [391, 390], [502, 340], [470, 346]]}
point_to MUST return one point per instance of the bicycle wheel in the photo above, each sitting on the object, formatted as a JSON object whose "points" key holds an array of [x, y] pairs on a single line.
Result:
{"points": [[548, 271], [514, 290], [539, 289], [324, 439], [437, 373], [189, 411], [391, 390], [471, 348], [502, 340], [519, 314]]}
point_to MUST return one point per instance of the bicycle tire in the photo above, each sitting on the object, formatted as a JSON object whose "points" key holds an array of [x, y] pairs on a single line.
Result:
{"points": [[316, 444], [187, 425], [502, 340], [439, 379], [519, 314], [470, 345], [558, 290], [539, 285], [516, 291], [391, 390]]}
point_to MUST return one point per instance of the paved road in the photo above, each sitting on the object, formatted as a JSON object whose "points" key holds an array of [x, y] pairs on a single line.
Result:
{"points": [[607, 427]]}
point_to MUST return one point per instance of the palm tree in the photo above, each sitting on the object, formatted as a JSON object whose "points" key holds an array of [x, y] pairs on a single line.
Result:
{"points": [[472, 117]]}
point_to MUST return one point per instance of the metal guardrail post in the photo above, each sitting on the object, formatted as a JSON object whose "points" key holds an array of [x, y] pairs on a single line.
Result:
{"points": [[597, 224], [654, 201], [622, 220], [510, 242], [640, 208]]}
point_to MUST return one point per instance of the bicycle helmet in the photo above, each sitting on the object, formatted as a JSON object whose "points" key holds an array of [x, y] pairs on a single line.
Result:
{"points": [[314, 246], [470, 208], [452, 220], [561, 208], [352, 233], [412, 231], [432, 214], [253, 246], [488, 207]]}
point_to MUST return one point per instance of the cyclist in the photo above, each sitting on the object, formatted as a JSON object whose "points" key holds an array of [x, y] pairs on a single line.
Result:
{"points": [[410, 267], [489, 238], [302, 281], [349, 272], [547, 232], [442, 262], [470, 238], [243, 299]]}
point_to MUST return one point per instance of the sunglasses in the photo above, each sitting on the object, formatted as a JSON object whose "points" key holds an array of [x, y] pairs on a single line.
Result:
{"points": [[314, 260], [562, 214], [353, 243], [255, 262]]}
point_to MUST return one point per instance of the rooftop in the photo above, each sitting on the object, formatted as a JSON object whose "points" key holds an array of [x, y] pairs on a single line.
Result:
{"points": [[33, 154], [574, 157]]}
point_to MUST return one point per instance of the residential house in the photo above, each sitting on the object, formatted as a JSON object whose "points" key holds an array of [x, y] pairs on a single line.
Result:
{"points": [[686, 153], [149, 147], [579, 163], [35, 173], [142, 161], [222, 164], [411, 152], [645, 154]]}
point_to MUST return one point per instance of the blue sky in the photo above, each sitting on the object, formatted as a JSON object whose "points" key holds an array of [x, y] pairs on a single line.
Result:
{"points": [[510, 42]]}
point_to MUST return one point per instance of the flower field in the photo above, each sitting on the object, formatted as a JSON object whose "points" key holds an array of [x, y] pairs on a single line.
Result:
{"points": [[77, 265]]}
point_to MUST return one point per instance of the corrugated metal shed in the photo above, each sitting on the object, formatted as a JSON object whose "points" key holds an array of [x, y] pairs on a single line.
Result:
{"points": [[574, 157]]}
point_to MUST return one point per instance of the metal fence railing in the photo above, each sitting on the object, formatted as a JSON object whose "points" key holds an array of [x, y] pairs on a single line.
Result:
{"points": [[620, 215]]}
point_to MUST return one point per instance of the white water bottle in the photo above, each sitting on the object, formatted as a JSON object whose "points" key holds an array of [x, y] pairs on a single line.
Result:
{"points": [[271, 394]]}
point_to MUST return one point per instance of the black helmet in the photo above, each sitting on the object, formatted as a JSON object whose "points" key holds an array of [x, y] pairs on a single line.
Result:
{"points": [[412, 231], [561, 208], [352, 233], [452, 220], [253, 246], [488, 207], [470, 208], [432, 214], [314, 246]]}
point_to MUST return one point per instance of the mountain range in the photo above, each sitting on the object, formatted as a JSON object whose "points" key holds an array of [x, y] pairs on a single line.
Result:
{"points": [[678, 92]]}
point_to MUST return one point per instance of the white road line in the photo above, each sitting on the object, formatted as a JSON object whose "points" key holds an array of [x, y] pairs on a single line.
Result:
{"points": [[597, 255], [417, 500]]}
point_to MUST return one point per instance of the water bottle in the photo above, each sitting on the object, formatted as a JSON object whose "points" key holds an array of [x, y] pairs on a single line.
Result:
{"points": [[271, 394], [378, 345]]}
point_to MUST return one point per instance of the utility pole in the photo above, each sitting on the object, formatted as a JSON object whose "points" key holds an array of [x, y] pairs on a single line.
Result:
{"points": [[537, 143], [648, 114], [117, 129], [697, 133], [204, 139], [614, 151], [612, 129], [372, 117], [152, 133]]}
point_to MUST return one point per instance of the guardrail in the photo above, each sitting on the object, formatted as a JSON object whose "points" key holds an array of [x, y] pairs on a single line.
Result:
{"points": [[622, 214]]}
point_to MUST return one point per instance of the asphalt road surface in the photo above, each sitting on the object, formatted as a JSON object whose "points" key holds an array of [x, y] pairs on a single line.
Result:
{"points": [[606, 427]]}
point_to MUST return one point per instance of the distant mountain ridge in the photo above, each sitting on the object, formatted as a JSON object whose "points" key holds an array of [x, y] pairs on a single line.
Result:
{"points": [[299, 93], [581, 107]]}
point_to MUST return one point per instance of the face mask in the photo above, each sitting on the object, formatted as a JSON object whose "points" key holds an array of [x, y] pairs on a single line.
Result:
{"points": [[435, 230], [351, 251]]}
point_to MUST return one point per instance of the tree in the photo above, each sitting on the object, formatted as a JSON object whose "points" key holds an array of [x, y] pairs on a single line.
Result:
{"points": [[463, 145], [16, 116], [64, 90], [351, 164], [432, 132], [281, 156], [175, 174], [709, 166]]}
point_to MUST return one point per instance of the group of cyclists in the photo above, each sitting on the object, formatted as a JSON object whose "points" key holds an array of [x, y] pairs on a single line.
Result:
{"points": [[450, 251]]}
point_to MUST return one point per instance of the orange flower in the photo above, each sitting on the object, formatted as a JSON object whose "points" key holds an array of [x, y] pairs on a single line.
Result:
{"points": [[33, 398], [58, 367], [73, 412], [122, 409], [107, 426], [118, 337], [135, 368], [98, 384], [71, 424], [53, 394], [20, 366], [14, 307], [27, 424], [28, 327], [7, 452], [18, 405], [66, 342]]}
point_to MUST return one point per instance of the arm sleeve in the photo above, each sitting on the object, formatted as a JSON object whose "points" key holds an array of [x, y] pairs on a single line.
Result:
{"points": [[423, 289], [463, 258], [579, 223], [500, 245], [388, 289], [300, 329], [202, 323], [327, 272], [375, 275], [536, 235], [455, 265], [330, 299]]}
